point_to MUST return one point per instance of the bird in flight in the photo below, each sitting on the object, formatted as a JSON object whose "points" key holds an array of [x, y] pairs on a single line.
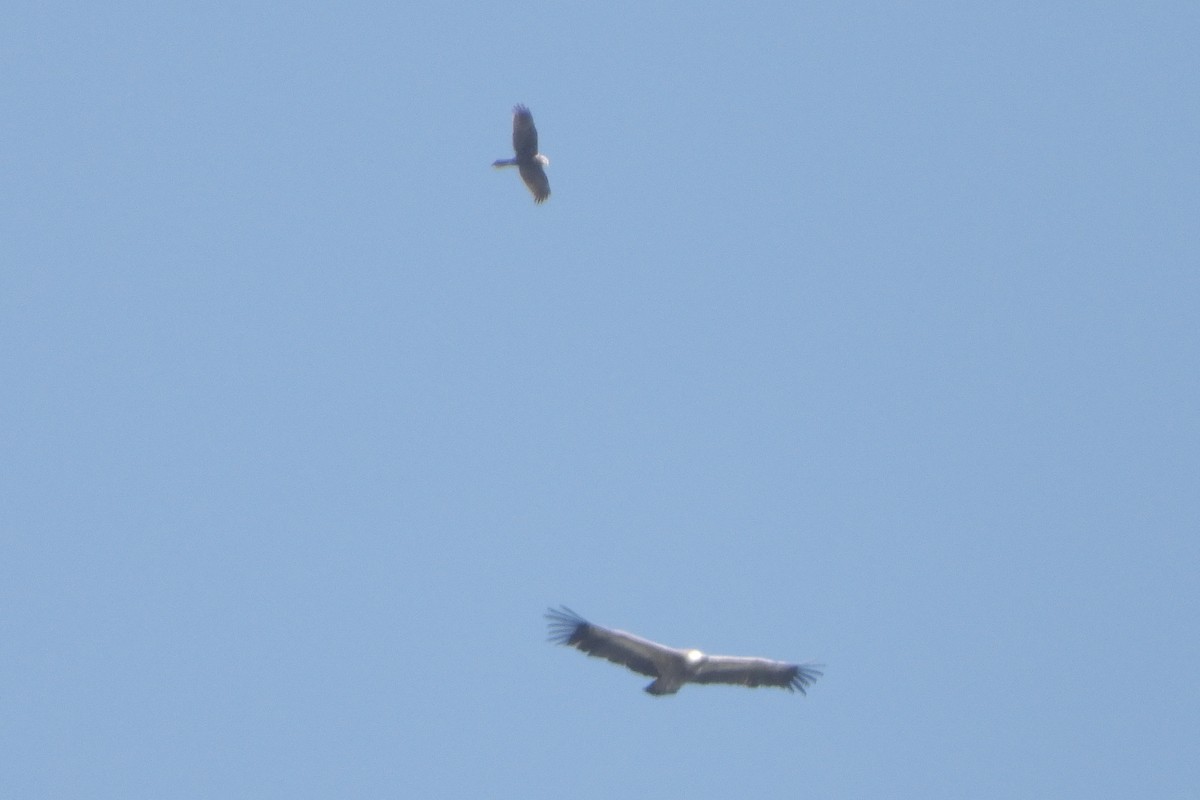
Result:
{"points": [[671, 668], [529, 161]]}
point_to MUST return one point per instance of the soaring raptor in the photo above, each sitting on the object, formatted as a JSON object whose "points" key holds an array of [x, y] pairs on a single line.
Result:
{"points": [[672, 668], [529, 161]]}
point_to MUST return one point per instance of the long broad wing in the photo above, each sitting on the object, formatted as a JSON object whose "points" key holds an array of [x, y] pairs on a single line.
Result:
{"points": [[524, 134], [757, 672], [535, 178], [638, 654]]}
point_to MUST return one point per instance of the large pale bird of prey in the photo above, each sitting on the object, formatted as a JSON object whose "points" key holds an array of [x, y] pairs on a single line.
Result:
{"points": [[672, 668], [529, 161]]}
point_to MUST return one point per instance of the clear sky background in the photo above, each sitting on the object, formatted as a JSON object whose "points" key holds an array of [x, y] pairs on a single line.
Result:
{"points": [[860, 333]]}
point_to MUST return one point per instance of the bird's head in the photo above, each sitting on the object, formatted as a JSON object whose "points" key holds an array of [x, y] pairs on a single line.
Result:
{"points": [[541, 159], [695, 656]]}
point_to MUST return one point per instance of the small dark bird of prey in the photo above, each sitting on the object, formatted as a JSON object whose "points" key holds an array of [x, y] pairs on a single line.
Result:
{"points": [[672, 668], [529, 161]]}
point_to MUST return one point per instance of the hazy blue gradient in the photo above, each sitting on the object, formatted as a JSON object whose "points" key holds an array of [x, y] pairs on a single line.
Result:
{"points": [[862, 333]]}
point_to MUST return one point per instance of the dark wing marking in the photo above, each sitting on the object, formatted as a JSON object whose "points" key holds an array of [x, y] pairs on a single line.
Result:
{"points": [[524, 134], [638, 654], [535, 178], [757, 672]]}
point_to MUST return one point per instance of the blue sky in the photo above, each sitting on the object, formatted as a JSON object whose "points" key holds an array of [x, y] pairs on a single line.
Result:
{"points": [[858, 333]]}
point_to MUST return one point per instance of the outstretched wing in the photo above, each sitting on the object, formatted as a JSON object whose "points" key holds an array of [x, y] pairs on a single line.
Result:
{"points": [[638, 654], [757, 672], [535, 178], [524, 135]]}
